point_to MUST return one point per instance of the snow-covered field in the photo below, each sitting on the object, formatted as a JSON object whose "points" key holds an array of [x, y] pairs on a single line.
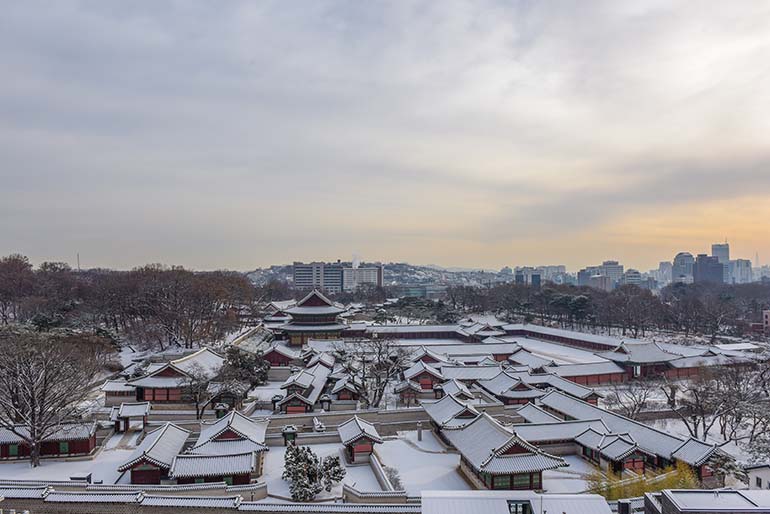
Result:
{"points": [[420, 470], [360, 477], [568, 480]]}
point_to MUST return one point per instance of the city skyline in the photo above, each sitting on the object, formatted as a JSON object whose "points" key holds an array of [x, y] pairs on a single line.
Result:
{"points": [[460, 134]]}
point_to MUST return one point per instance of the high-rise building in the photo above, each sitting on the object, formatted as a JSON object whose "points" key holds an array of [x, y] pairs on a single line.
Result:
{"points": [[602, 282], [614, 270], [353, 278], [681, 270], [707, 268], [665, 270], [632, 277], [528, 275], [740, 271], [722, 252], [318, 275], [585, 274]]}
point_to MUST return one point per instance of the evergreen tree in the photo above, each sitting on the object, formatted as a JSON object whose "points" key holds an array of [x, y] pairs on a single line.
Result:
{"points": [[308, 475]]}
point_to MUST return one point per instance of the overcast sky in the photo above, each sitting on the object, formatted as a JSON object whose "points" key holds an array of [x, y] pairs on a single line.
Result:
{"points": [[240, 134]]}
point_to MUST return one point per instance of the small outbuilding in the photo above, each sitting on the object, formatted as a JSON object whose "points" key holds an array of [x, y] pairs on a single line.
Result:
{"points": [[359, 437], [122, 416]]}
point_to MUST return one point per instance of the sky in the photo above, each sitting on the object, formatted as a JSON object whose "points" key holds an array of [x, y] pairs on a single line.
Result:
{"points": [[460, 133]]}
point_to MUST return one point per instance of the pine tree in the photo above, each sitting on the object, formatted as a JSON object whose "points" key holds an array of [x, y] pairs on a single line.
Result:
{"points": [[308, 475]]}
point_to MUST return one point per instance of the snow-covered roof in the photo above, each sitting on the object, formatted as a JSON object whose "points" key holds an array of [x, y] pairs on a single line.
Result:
{"points": [[457, 388], [302, 378], [315, 303], [344, 383], [195, 465], [329, 327], [406, 384], [205, 358], [23, 491], [649, 439], [324, 358], [587, 368], [527, 358], [534, 414], [318, 375], [282, 349], [555, 381], [64, 432], [557, 430], [117, 386], [356, 428], [237, 423], [694, 451], [470, 372], [444, 412], [420, 367], [486, 445], [130, 410], [159, 447], [638, 353], [207, 502], [330, 508], [93, 497], [498, 502]]}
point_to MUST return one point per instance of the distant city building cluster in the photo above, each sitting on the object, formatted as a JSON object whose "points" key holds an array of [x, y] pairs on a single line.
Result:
{"points": [[409, 280]]}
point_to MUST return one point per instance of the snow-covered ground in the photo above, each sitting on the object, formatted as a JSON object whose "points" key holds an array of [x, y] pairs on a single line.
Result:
{"points": [[103, 468], [568, 480], [429, 440], [561, 354], [267, 391], [420, 470], [360, 477]]}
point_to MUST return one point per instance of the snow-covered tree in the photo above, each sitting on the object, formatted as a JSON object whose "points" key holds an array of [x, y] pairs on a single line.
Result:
{"points": [[44, 379], [308, 475], [724, 465], [370, 365]]}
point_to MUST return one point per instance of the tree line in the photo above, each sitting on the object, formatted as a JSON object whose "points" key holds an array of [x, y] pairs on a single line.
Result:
{"points": [[711, 309], [154, 306]]}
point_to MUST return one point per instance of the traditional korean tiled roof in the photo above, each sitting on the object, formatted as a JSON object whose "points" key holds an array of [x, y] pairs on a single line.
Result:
{"points": [[557, 430], [282, 350], [323, 358], [424, 351], [527, 358], [65, 432], [130, 410], [303, 378], [201, 502], [586, 369], [227, 447], [117, 386], [649, 439], [470, 373], [330, 327], [420, 367], [534, 414], [545, 380], [444, 412], [344, 383], [247, 428], [356, 428], [484, 442], [191, 465], [23, 492], [302, 306], [497, 502], [407, 384], [695, 452], [457, 389], [88, 497], [205, 360], [159, 447], [330, 508], [639, 353]]}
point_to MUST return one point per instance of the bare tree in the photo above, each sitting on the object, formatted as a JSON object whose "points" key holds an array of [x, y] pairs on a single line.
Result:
{"points": [[631, 398], [701, 402], [371, 365], [195, 386], [44, 380]]}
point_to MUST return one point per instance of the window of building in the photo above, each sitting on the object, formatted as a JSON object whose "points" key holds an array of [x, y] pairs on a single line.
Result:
{"points": [[228, 480], [758, 481], [519, 507], [13, 450], [199, 480], [501, 482], [536, 481], [64, 447], [521, 481]]}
